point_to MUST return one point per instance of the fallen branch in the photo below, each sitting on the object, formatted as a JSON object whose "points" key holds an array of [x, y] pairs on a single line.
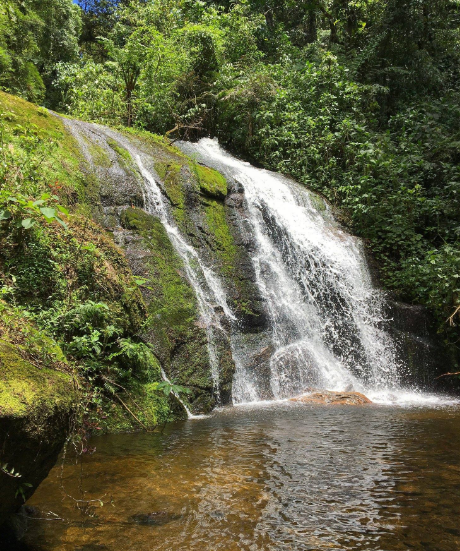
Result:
{"points": [[129, 411], [448, 375], [450, 319]]}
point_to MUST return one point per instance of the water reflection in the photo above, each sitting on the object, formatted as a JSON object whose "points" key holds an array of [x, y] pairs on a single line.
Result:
{"points": [[290, 477]]}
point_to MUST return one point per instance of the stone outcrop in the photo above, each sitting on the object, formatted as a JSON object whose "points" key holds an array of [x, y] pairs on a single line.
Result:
{"points": [[209, 212], [329, 397], [419, 347]]}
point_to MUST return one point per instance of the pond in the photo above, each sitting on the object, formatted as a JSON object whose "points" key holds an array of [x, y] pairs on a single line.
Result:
{"points": [[283, 476]]}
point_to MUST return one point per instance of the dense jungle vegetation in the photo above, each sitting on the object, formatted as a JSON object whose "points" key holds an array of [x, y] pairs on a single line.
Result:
{"points": [[357, 99]]}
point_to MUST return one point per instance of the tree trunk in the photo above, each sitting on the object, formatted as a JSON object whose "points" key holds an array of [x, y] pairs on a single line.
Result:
{"points": [[310, 26]]}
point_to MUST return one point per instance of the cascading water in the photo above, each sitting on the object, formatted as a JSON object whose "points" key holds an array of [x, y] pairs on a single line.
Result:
{"points": [[208, 290], [326, 317], [326, 321], [207, 287]]}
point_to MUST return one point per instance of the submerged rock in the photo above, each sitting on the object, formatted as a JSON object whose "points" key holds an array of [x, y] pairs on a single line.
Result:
{"points": [[330, 397], [157, 518]]}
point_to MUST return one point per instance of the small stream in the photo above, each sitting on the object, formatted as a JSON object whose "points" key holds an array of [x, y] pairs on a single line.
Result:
{"points": [[283, 476]]}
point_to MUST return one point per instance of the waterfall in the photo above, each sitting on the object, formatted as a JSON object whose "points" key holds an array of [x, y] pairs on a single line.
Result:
{"points": [[326, 325], [206, 285], [326, 317], [209, 292]]}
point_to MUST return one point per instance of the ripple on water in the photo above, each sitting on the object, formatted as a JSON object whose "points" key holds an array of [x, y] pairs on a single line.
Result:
{"points": [[287, 477]]}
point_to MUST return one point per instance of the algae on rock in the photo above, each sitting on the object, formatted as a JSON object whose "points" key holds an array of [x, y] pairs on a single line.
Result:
{"points": [[36, 406], [173, 326]]}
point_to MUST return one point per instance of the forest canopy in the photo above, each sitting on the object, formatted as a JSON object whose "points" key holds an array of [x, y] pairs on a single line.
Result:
{"points": [[357, 99]]}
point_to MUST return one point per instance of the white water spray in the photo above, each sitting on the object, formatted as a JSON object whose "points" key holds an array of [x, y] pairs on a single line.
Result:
{"points": [[327, 318]]}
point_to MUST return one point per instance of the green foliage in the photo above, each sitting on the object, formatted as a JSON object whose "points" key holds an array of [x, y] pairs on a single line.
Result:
{"points": [[93, 336], [33, 37], [67, 283], [357, 100], [22, 487], [21, 213], [168, 388]]}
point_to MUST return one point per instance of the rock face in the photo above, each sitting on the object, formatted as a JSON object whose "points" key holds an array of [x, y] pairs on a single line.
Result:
{"points": [[418, 346], [35, 410], [209, 212], [329, 397]]}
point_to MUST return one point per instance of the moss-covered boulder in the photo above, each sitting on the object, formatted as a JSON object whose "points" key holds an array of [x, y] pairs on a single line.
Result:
{"points": [[36, 404]]}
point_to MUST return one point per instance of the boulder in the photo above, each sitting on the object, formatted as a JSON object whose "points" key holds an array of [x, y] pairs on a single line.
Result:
{"points": [[329, 397]]}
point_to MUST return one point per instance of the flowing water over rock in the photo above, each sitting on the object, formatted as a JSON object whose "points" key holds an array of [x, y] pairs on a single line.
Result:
{"points": [[208, 289], [289, 477], [323, 323], [327, 320]]}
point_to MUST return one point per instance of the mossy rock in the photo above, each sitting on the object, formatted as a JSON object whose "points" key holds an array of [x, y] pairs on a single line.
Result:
{"points": [[138, 220], [143, 408], [36, 405], [211, 182], [222, 237], [62, 166], [24, 388], [173, 327], [170, 174], [318, 202]]}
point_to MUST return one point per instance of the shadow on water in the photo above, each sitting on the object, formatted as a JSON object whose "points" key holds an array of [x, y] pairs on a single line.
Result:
{"points": [[285, 477]]}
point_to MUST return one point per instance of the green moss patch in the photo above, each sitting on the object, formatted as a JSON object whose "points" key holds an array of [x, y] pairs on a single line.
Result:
{"points": [[172, 303], [211, 182], [318, 202], [24, 387], [150, 408], [170, 174], [124, 156], [173, 325], [24, 123], [224, 244], [99, 155]]}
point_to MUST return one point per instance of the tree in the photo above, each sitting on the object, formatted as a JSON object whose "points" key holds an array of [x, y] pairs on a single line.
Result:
{"points": [[130, 59]]}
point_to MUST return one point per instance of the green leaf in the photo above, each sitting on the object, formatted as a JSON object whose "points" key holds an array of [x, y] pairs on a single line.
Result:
{"points": [[63, 224], [48, 212], [5, 215], [62, 209], [27, 223]]}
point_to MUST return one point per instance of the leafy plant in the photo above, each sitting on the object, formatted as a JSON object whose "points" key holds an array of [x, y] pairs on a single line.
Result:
{"points": [[22, 213], [169, 388], [10, 472]]}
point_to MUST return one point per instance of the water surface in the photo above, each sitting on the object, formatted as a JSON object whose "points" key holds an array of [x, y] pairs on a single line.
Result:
{"points": [[281, 477]]}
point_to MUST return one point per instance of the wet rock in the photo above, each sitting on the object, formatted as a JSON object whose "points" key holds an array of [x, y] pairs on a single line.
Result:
{"points": [[259, 366], [418, 346], [329, 397]]}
